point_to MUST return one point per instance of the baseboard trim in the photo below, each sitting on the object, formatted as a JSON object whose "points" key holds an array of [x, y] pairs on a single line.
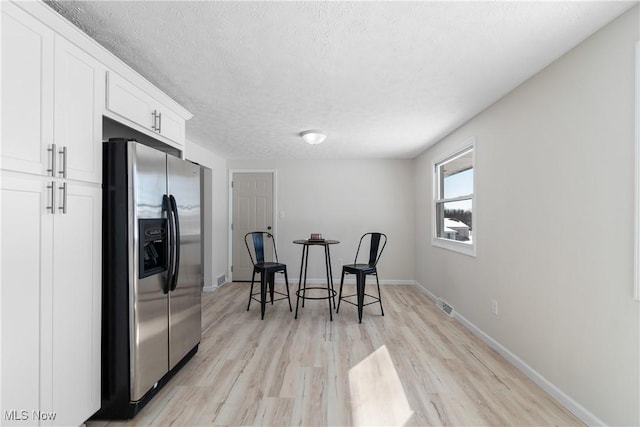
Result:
{"points": [[427, 292], [560, 396], [349, 280]]}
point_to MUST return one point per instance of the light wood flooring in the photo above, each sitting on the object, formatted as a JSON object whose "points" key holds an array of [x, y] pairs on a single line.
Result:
{"points": [[414, 366]]}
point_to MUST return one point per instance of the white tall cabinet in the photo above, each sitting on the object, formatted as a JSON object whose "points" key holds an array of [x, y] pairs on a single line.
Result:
{"points": [[57, 84], [50, 207]]}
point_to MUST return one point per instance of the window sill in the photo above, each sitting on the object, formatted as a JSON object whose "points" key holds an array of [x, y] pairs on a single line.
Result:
{"points": [[452, 245]]}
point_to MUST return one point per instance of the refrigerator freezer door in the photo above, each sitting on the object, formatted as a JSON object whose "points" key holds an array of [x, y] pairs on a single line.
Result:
{"points": [[148, 302], [184, 301]]}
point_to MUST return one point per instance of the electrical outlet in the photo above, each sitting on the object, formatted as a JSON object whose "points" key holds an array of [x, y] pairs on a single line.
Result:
{"points": [[340, 263], [494, 307]]}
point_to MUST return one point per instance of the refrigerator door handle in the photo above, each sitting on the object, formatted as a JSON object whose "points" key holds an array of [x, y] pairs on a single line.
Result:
{"points": [[176, 242], [166, 208]]}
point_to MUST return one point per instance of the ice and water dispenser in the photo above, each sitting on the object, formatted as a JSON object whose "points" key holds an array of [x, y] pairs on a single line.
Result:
{"points": [[153, 246]]}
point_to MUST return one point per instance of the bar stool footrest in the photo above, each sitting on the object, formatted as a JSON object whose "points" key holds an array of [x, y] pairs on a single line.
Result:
{"points": [[284, 296], [376, 300]]}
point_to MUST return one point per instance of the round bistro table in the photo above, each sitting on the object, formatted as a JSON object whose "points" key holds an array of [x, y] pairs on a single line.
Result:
{"points": [[331, 293]]}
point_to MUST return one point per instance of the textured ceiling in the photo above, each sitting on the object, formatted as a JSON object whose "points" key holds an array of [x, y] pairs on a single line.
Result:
{"points": [[383, 79]]}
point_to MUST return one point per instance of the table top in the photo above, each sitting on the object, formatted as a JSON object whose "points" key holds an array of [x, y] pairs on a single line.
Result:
{"points": [[324, 242]]}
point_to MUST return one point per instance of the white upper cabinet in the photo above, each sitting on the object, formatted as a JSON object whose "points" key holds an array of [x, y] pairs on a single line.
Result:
{"points": [[52, 96], [79, 94], [132, 104], [128, 101], [170, 125], [27, 92]]}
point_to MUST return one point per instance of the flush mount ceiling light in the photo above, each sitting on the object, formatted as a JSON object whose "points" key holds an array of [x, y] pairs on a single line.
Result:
{"points": [[313, 137]]}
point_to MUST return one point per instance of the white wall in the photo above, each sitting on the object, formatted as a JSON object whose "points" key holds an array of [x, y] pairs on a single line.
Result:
{"points": [[216, 246], [554, 217], [343, 199]]}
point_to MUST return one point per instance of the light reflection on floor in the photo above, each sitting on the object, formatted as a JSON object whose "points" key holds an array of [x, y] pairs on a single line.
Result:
{"points": [[377, 396]]}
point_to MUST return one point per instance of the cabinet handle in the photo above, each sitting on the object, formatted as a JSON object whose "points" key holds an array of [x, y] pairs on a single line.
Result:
{"points": [[52, 187], [157, 121], [54, 153], [63, 172], [63, 208]]}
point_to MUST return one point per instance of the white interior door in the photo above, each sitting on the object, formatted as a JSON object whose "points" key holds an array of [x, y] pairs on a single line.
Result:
{"points": [[252, 195]]}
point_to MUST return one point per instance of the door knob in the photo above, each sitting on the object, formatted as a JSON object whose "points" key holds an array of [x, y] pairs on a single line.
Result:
{"points": [[269, 228]]}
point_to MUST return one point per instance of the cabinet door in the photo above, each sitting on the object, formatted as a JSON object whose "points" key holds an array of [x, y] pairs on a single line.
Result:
{"points": [[77, 304], [27, 91], [137, 106], [171, 126], [79, 95], [25, 284], [128, 101]]}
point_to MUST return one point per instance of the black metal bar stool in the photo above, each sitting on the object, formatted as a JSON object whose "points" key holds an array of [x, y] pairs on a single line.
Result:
{"points": [[267, 270], [362, 271]]}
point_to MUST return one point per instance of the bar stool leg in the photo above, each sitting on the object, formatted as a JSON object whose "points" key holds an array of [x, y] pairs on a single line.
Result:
{"points": [[272, 284], [360, 282], [263, 293], [251, 291], [379, 295], [286, 282], [340, 295]]}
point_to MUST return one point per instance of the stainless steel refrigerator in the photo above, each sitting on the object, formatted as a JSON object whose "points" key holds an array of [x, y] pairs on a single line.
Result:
{"points": [[152, 273]]}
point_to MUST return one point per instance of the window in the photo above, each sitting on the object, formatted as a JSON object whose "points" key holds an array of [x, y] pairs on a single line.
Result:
{"points": [[453, 202]]}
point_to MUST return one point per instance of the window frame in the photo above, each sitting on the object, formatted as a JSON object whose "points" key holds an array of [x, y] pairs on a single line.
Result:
{"points": [[468, 145]]}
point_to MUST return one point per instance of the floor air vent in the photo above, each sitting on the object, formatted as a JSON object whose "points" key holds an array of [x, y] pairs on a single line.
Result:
{"points": [[445, 307], [221, 280]]}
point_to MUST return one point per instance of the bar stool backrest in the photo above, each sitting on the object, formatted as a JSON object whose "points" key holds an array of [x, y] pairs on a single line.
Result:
{"points": [[257, 240], [375, 251]]}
